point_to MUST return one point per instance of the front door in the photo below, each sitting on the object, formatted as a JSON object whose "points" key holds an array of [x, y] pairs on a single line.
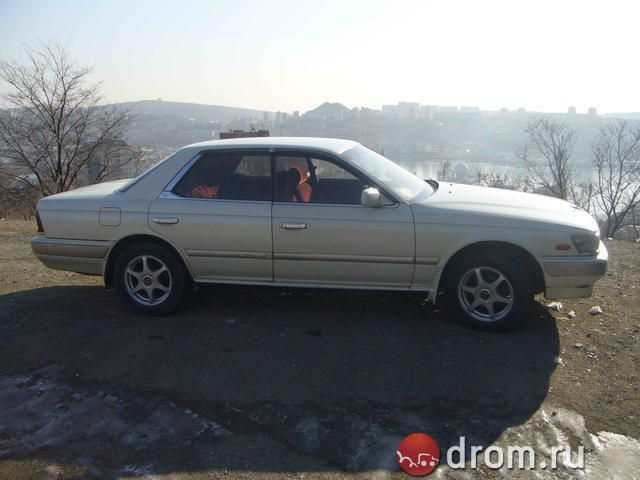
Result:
{"points": [[323, 236], [218, 211]]}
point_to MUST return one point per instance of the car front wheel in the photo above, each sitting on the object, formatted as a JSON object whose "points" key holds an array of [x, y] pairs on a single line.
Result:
{"points": [[149, 278], [489, 292]]}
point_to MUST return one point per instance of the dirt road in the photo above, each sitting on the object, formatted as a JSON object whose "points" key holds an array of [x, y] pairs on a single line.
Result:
{"points": [[264, 384]]}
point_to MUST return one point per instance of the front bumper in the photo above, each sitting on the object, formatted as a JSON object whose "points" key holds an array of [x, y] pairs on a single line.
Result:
{"points": [[82, 256], [570, 277]]}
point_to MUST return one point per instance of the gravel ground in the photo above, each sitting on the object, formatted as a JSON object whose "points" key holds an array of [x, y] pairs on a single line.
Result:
{"points": [[277, 384]]}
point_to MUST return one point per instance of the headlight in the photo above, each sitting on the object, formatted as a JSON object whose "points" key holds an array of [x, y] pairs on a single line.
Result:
{"points": [[586, 244]]}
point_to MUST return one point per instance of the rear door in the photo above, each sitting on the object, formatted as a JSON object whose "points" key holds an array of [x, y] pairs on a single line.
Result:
{"points": [[322, 235], [218, 211]]}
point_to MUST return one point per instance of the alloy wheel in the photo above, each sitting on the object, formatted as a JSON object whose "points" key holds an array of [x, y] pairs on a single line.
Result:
{"points": [[485, 294], [148, 280]]}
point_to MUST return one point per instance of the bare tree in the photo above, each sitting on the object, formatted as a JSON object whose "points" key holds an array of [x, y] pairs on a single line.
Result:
{"points": [[505, 181], [616, 157], [582, 194], [551, 143], [16, 199], [54, 132]]}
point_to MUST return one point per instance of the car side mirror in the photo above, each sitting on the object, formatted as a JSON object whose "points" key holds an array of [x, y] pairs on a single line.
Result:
{"points": [[372, 198]]}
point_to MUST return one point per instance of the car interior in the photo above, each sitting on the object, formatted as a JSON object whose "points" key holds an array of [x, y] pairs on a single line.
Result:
{"points": [[238, 176]]}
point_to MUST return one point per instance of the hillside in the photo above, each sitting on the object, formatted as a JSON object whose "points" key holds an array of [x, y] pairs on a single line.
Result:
{"points": [[197, 111]]}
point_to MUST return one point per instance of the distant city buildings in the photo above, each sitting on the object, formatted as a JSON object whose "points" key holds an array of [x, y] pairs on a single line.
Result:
{"points": [[403, 111], [422, 138]]}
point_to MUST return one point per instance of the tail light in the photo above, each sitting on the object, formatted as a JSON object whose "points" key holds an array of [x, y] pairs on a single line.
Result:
{"points": [[39, 222]]}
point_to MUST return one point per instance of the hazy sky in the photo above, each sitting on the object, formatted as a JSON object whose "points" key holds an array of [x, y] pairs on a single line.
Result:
{"points": [[295, 54]]}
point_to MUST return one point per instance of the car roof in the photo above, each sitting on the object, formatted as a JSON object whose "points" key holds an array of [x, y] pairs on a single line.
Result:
{"points": [[333, 145]]}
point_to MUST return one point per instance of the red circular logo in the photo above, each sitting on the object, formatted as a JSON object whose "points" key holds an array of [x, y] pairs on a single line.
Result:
{"points": [[418, 454]]}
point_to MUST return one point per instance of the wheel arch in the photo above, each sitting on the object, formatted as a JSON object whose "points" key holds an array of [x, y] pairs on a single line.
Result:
{"points": [[503, 248], [129, 240]]}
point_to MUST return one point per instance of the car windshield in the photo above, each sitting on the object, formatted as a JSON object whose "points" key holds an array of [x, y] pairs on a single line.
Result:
{"points": [[390, 174]]}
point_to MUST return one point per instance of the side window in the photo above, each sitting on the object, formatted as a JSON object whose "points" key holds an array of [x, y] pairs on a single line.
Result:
{"points": [[228, 176], [314, 180]]}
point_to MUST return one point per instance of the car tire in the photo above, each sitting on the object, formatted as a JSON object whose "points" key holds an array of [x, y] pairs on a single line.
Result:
{"points": [[150, 279], [489, 292]]}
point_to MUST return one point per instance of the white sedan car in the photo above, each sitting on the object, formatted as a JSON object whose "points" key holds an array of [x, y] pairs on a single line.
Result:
{"points": [[313, 212]]}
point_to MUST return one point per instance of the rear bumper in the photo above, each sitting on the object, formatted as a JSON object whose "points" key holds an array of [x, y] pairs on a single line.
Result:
{"points": [[82, 256], [570, 277]]}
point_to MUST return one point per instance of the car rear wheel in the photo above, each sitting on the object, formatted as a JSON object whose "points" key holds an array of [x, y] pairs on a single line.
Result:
{"points": [[489, 292], [149, 278]]}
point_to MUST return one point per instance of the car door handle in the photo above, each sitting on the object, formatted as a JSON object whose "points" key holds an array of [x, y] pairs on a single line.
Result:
{"points": [[166, 220], [293, 225]]}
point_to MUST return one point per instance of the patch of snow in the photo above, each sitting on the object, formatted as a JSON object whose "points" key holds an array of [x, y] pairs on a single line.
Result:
{"points": [[614, 456], [607, 456], [38, 412]]}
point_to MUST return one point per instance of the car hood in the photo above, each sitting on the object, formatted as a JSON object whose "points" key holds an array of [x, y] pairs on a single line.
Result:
{"points": [[475, 205]]}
